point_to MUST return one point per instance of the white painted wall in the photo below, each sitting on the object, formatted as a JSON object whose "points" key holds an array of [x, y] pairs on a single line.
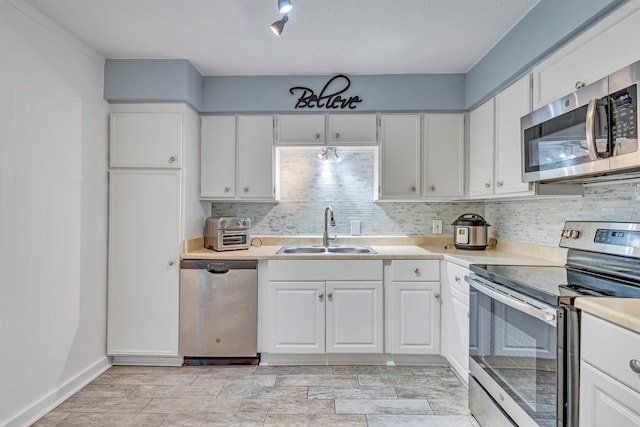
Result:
{"points": [[53, 214]]}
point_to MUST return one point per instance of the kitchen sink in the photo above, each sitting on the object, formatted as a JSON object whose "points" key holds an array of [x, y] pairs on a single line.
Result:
{"points": [[323, 250]]}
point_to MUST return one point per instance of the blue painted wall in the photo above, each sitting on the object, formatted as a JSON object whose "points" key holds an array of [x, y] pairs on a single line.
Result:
{"points": [[550, 24]]}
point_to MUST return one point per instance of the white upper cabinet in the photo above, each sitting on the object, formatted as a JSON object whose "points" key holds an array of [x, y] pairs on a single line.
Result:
{"points": [[300, 129], [351, 129], [606, 47], [443, 155], [237, 157], [495, 162], [146, 140], [400, 156]]}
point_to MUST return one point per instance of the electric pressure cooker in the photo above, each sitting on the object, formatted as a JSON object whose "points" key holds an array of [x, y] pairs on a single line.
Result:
{"points": [[470, 232]]}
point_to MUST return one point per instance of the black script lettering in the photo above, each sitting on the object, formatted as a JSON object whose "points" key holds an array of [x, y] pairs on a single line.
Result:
{"points": [[326, 99]]}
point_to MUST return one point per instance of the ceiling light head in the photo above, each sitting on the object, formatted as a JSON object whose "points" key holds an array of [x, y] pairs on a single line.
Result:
{"points": [[284, 6], [278, 26]]}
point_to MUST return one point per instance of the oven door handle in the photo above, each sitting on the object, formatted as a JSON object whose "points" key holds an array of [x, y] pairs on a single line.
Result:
{"points": [[510, 301]]}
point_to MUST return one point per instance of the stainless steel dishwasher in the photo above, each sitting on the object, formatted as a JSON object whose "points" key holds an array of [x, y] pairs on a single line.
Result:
{"points": [[218, 308]]}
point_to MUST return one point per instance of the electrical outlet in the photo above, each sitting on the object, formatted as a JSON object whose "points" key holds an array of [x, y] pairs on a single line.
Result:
{"points": [[355, 228], [437, 226]]}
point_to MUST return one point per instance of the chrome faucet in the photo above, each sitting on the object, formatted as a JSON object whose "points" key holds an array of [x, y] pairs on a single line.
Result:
{"points": [[325, 236]]}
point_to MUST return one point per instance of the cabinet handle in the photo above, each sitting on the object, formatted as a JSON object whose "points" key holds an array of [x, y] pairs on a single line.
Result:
{"points": [[336, 135], [316, 136], [413, 188], [487, 185], [246, 189], [635, 366], [417, 271], [437, 296], [457, 278], [499, 183], [171, 262], [330, 296], [321, 297], [579, 85], [227, 189], [432, 188], [172, 159]]}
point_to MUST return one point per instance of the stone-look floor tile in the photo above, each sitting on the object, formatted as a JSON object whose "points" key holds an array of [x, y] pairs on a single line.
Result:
{"points": [[418, 421], [106, 390], [372, 370], [398, 380], [294, 370], [291, 407], [213, 420], [215, 381], [317, 380], [224, 371], [434, 371], [434, 391], [251, 391], [450, 406], [175, 392], [113, 420], [102, 404], [385, 392], [149, 379], [315, 420], [51, 419], [383, 406], [168, 406]]}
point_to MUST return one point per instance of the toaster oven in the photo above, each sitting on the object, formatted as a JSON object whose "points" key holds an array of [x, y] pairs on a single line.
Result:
{"points": [[227, 233]]}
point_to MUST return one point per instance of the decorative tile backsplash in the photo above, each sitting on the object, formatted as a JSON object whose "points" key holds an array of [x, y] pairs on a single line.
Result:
{"points": [[308, 185]]}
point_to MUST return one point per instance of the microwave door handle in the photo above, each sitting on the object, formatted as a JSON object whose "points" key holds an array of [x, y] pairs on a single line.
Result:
{"points": [[591, 129], [546, 317]]}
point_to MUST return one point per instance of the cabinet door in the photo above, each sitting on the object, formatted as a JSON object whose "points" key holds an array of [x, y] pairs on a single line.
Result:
{"points": [[143, 262], [351, 129], [605, 401], [511, 104], [296, 317], [303, 129], [481, 137], [415, 322], [354, 317], [255, 157], [218, 157], [400, 156], [443, 142], [142, 140], [457, 331]]}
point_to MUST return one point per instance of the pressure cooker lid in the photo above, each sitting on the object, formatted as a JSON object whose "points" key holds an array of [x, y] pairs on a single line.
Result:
{"points": [[471, 219]]}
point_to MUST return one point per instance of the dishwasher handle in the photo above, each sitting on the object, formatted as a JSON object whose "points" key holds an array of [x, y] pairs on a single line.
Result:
{"points": [[218, 268]]}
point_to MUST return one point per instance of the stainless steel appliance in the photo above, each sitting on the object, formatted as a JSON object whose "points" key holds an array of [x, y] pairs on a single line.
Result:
{"points": [[227, 233], [218, 308], [470, 232], [524, 329], [590, 133]]}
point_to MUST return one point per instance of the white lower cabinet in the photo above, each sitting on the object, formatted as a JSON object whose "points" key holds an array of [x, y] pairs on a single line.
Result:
{"points": [[609, 381], [455, 319], [413, 307], [321, 307]]}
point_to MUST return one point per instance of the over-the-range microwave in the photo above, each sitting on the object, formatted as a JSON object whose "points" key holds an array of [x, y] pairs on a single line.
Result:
{"points": [[589, 134]]}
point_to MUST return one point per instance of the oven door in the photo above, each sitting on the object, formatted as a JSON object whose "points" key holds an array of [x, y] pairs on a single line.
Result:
{"points": [[513, 352]]}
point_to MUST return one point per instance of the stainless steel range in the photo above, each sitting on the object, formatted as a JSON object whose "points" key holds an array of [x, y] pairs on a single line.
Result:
{"points": [[525, 331]]}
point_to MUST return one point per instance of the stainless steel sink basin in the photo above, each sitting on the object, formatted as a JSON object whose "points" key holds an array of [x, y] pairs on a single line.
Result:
{"points": [[323, 250]]}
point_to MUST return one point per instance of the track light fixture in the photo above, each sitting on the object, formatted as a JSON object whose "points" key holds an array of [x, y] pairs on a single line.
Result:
{"points": [[284, 6], [278, 26]]}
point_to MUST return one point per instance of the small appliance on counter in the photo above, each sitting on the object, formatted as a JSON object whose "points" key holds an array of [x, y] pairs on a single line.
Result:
{"points": [[470, 232], [227, 233]]}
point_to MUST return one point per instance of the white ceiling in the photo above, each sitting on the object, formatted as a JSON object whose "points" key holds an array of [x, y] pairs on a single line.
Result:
{"points": [[232, 37]]}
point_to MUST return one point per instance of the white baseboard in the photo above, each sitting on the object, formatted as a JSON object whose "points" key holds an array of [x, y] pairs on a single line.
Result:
{"points": [[147, 360], [62, 393], [275, 359]]}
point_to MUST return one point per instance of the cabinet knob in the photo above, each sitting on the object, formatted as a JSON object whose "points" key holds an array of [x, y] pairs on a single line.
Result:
{"points": [[487, 185], [227, 189], [413, 188], [635, 366], [171, 262], [417, 271], [499, 183], [579, 85], [172, 159], [432, 188], [316, 136], [437, 296], [336, 135], [321, 297], [457, 278], [330, 296], [246, 189]]}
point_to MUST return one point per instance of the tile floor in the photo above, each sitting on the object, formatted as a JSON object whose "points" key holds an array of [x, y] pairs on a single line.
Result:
{"points": [[268, 396]]}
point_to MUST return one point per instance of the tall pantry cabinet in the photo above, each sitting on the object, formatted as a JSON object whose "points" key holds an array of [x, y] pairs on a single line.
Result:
{"points": [[153, 205]]}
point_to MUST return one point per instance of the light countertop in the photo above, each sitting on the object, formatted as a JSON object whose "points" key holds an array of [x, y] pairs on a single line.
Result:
{"points": [[624, 312]]}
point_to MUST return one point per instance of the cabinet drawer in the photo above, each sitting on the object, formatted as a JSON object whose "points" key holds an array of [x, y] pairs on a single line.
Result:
{"points": [[455, 277], [418, 270], [611, 348]]}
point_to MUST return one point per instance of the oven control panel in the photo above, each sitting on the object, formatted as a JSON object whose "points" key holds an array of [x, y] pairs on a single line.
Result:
{"points": [[616, 238]]}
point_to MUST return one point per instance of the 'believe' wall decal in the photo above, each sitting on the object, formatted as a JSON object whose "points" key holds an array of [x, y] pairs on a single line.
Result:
{"points": [[329, 97]]}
